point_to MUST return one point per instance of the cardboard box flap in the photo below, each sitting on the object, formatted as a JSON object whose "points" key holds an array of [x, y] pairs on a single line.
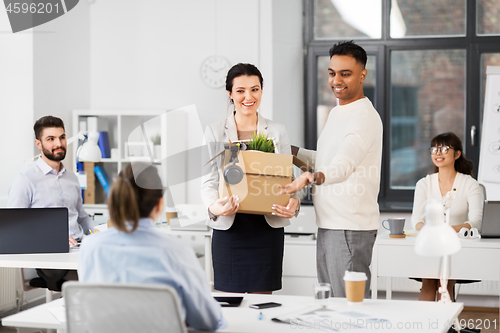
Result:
{"points": [[259, 188], [303, 166], [266, 164]]}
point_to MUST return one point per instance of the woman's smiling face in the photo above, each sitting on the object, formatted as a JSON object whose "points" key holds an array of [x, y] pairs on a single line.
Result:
{"points": [[445, 160], [246, 94]]}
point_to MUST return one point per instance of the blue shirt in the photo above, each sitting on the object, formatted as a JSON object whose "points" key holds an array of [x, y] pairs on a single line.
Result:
{"points": [[146, 256], [40, 186]]}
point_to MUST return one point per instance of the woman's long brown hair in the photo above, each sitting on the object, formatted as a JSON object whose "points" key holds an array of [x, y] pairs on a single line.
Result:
{"points": [[129, 201]]}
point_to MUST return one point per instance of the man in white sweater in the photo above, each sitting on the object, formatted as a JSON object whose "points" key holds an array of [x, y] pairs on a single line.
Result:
{"points": [[347, 173]]}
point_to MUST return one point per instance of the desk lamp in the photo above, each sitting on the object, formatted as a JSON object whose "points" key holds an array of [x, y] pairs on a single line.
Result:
{"points": [[89, 151], [438, 239]]}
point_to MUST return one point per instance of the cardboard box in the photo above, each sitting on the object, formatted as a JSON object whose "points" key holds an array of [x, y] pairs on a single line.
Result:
{"points": [[259, 187]]}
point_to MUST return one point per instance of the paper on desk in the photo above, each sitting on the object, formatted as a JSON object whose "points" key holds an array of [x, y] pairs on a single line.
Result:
{"points": [[327, 319], [59, 313]]}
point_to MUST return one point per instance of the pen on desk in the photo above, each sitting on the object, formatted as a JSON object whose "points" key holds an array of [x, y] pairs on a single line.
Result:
{"points": [[260, 316], [91, 231]]}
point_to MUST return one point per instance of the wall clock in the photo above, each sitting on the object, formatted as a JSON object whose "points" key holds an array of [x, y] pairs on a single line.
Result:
{"points": [[214, 70]]}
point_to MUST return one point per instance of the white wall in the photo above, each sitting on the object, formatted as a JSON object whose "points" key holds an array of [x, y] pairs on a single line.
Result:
{"points": [[16, 102], [61, 65], [147, 58], [288, 68], [124, 54]]}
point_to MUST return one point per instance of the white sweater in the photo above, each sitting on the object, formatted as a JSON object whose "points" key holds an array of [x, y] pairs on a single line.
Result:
{"points": [[466, 207], [349, 153]]}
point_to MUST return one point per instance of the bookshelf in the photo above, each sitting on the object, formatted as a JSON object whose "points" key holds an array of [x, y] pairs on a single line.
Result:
{"points": [[126, 131]]}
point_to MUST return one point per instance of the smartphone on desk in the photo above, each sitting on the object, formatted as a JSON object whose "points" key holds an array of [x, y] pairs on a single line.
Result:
{"points": [[265, 305]]}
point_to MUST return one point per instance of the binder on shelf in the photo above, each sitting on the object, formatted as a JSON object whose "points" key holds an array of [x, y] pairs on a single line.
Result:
{"points": [[89, 193], [103, 178], [103, 143]]}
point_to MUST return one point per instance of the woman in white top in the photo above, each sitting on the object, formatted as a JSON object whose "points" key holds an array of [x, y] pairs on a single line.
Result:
{"points": [[453, 172]]}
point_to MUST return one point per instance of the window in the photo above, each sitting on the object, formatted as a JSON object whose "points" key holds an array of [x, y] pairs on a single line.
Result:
{"points": [[426, 74]]}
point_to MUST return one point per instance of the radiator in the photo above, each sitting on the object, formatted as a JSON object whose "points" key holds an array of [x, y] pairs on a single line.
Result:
{"points": [[486, 288], [8, 277]]}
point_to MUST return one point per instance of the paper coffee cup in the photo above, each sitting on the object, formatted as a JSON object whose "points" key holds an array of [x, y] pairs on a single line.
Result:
{"points": [[355, 286]]}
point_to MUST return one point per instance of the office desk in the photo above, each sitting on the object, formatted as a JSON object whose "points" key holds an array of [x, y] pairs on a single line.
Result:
{"points": [[411, 316], [70, 260], [479, 259], [41, 260]]}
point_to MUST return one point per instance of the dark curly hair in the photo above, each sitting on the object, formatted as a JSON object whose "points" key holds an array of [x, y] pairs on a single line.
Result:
{"points": [[350, 49]]}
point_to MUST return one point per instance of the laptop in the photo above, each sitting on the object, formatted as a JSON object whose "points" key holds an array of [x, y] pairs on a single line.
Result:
{"points": [[490, 227], [34, 230]]}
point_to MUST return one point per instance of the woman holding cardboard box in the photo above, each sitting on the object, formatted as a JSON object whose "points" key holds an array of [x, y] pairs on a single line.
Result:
{"points": [[247, 249], [453, 173]]}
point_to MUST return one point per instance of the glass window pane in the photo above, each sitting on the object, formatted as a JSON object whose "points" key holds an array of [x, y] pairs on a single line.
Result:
{"points": [[488, 17], [430, 18], [341, 19], [427, 98], [326, 98], [487, 59]]}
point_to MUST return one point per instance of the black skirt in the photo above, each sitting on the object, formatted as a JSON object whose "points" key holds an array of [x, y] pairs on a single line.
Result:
{"points": [[248, 257]]}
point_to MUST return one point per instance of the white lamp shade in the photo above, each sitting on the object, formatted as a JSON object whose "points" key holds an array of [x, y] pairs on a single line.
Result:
{"points": [[436, 238], [89, 151], [437, 241]]}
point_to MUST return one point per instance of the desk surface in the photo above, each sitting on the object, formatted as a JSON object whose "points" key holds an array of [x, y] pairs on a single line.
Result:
{"points": [[41, 260], [491, 243], [395, 257], [61, 260], [408, 316]]}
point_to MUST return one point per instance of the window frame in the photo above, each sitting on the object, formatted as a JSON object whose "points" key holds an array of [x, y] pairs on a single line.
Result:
{"points": [[474, 46]]}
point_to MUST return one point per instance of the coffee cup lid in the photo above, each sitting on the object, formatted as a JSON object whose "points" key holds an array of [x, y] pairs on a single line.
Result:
{"points": [[355, 276]]}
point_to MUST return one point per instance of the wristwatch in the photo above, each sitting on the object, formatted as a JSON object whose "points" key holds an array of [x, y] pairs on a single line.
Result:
{"points": [[212, 216], [314, 182]]}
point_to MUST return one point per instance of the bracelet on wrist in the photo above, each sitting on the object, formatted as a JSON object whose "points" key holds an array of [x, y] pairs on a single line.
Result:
{"points": [[212, 216]]}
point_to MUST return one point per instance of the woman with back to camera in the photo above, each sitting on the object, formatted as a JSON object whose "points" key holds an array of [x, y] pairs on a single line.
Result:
{"points": [[453, 172], [247, 249], [131, 251]]}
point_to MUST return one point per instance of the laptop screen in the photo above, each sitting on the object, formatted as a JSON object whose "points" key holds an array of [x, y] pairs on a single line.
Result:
{"points": [[34, 230], [490, 227]]}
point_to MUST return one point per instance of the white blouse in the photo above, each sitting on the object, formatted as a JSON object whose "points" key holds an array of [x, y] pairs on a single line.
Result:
{"points": [[466, 207]]}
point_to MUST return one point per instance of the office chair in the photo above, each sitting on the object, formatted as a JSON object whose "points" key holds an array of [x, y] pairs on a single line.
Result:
{"points": [[104, 308], [29, 281]]}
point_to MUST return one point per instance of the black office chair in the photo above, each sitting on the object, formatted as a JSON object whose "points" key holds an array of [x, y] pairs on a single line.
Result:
{"points": [[51, 279]]}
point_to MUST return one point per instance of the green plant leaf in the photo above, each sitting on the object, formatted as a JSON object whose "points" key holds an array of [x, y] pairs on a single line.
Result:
{"points": [[261, 142]]}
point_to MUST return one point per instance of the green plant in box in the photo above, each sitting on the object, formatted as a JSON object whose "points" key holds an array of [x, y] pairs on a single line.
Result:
{"points": [[261, 142]]}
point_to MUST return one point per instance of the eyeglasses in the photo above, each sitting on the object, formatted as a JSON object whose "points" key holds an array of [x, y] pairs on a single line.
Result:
{"points": [[443, 149]]}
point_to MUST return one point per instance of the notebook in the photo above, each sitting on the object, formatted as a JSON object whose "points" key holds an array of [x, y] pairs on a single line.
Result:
{"points": [[34, 230], [490, 227]]}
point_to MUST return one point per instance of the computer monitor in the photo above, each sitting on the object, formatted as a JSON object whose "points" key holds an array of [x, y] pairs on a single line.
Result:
{"points": [[34, 230]]}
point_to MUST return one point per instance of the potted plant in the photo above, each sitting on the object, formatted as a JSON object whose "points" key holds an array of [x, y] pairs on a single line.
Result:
{"points": [[261, 142]]}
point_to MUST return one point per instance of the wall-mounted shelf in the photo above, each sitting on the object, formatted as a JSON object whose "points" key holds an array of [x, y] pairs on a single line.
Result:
{"points": [[126, 138]]}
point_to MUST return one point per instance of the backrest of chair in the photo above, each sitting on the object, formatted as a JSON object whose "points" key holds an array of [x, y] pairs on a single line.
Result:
{"points": [[483, 191], [104, 308]]}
